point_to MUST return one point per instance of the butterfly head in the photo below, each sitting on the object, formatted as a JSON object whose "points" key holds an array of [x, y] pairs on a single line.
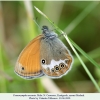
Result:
{"points": [[45, 30], [48, 33]]}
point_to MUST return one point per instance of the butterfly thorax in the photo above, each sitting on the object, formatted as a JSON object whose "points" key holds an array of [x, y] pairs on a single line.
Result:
{"points": [[48, 34]]}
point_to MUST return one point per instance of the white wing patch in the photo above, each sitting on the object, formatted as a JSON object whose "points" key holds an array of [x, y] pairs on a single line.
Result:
{"points": [[56, 69], [54, 63]]}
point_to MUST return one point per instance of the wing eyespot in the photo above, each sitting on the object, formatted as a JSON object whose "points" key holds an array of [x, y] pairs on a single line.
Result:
{"points": [[62, 65], [57, 68], [43, 61], [22, 68]]}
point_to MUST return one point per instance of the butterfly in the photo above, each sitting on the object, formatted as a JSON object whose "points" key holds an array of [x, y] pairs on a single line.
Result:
{"points": [[45, 55]]}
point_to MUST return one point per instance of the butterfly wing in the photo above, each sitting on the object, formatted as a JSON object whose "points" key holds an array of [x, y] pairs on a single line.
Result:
{"points": [[56, 59], [28, 64]]}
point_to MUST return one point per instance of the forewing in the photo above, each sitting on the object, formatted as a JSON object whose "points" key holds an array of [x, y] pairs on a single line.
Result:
{"points": [[28, 64]]}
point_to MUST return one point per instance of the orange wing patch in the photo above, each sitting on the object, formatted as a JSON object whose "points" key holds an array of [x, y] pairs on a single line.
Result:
{"points": [[28, 63]]}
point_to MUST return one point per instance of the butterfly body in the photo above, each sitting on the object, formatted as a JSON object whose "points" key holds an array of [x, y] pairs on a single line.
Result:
{"points": [[44, 55]]}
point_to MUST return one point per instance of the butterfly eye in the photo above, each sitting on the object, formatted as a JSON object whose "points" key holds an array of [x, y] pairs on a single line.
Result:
{"points": [[62, 65], [43, 61], [56, 68]]}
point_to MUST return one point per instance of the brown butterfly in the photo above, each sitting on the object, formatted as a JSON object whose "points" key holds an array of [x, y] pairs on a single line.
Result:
{"points": [[44, 55]]}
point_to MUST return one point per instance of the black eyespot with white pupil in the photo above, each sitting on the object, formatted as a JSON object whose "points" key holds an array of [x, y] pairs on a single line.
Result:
{"points": [[43, 61], [57, 68]]}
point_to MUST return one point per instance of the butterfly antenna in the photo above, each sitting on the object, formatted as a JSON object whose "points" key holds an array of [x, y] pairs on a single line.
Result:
{"points": [[36, 23]]}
